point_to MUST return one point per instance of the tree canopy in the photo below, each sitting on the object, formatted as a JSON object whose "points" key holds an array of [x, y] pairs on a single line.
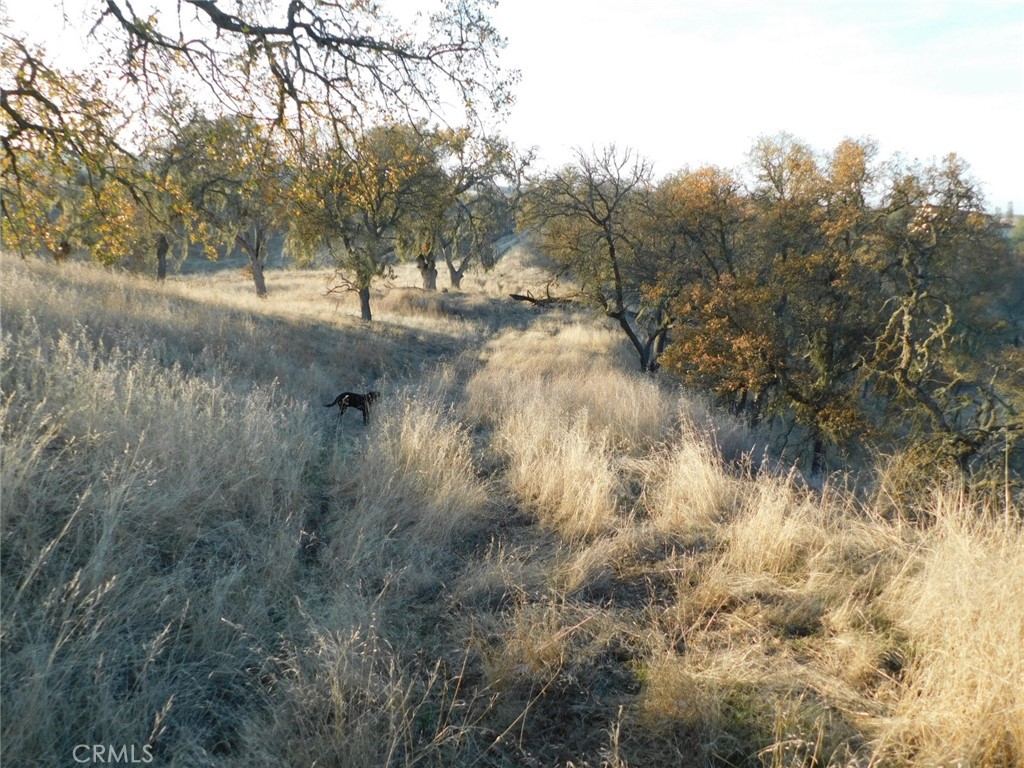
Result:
{"points": [[851, 301], [74, 152], [339, 60], [591, 216], [358, 197]]}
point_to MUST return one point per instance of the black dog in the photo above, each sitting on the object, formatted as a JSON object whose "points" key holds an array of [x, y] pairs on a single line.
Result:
{"points": [[352, 400]]}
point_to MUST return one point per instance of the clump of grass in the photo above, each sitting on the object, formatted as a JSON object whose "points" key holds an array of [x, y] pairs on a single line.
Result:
{"points": [[960, 602], [679, 693], [544, 644], [776, 533], [632, 409], [499, 577], [569, 371], [562, 472], [131, 408], [348, 696], [739, 705], [416, 470], [688, 488], [557, 431], [413, 301], [730, 439], [408, 500]]}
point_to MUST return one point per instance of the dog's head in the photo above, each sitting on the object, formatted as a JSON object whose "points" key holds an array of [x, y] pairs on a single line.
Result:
{"points": [[371, 397]]}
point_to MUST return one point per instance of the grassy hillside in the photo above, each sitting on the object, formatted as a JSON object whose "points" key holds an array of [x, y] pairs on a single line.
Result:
{"points": [[531, 557]]}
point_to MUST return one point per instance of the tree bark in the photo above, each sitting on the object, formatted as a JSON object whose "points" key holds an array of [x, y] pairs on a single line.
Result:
{"points": [[162, 247], [643, 350], [428, 271], [62, 251], [757, 407], [817, 456], [364, 304], [652, 351], [739, 405], [256, 250], [258, 278], [455, 276]]}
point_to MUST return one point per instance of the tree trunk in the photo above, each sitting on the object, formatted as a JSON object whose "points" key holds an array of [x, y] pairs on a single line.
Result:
{"points": [[648, 358], [818, 456], [428, 271], [660, 342], [652, 351], [256, 249], [62, 251], [455, 275], [641, 349], [757, 407], [364, 303], [257, 276], [162, 247], [739, 405]]}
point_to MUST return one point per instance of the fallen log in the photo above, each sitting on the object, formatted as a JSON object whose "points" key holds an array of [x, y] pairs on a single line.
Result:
{"points": [[541, 302]]}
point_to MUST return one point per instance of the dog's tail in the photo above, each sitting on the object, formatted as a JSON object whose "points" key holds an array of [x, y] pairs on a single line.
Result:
{"points": [[336, 401]]}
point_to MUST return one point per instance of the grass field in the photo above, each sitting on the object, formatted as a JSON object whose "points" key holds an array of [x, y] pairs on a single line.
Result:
{"points": [[532, 556]]}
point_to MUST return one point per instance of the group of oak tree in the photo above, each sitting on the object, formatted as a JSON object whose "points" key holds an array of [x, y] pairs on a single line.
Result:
{"points": [[316, 123], [861, 300], [855, 299]]}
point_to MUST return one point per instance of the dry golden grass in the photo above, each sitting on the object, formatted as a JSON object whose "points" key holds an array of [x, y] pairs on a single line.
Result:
{"points": [[414, 496], [689, 490], [532, 555], [961, 604], [561, 471]]}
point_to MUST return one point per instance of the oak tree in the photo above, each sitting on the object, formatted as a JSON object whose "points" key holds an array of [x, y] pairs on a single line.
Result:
{"points": [[60, 154], [236, 178], [302, 66], [358, 197], [589, 216], [342, 61], [778, 290], [943, 347], [469, 210]]}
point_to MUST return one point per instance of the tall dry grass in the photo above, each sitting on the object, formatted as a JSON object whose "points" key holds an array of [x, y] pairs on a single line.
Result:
{"points": [[413, 496], [532, 555], [152, 526], [563, 419], [960, 602], [564, 366], [163, 493]]}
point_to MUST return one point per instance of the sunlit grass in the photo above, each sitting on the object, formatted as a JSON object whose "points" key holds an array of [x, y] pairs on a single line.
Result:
{"points": [[531, 553], [961, 604]]}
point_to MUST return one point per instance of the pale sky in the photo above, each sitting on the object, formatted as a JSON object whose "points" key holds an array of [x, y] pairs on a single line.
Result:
{"points": [[694, 82], [697, 82]]}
